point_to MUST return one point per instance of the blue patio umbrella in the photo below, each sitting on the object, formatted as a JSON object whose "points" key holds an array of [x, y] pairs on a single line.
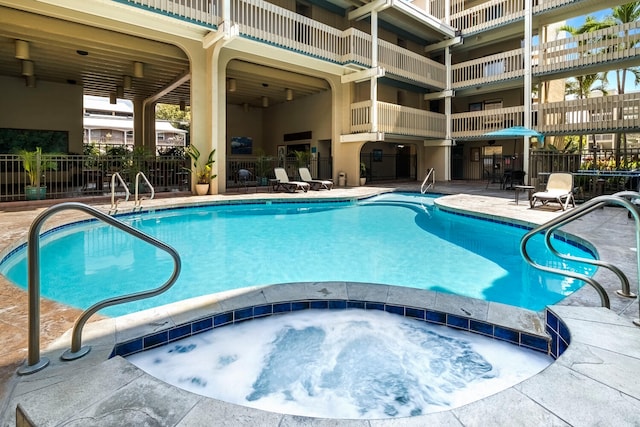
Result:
{"points": [[515, 131]]}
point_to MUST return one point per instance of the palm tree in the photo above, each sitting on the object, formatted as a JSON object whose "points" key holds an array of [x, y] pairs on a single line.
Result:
{"points": [[583, 87]]}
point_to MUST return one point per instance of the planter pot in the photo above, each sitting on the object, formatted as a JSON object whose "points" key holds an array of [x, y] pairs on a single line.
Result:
{"points": [[363, 181], [202, 189], [35, 193]]}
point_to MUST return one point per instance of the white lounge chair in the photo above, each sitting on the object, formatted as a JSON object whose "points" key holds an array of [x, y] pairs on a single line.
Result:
{"points": [[316, 184], [559, 190], [291, 186]]}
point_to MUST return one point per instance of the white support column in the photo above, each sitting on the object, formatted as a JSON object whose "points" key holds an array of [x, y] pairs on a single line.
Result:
{"points": [[447, 112], [447, 12], [528, 34], [374, 64], [226, 16]]}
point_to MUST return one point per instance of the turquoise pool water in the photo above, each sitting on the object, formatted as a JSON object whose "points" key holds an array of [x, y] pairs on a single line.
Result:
{"points": [[398, 239]]}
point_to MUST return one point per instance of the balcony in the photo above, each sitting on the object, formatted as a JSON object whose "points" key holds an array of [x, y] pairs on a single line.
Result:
{"points": [[489, 69], [276, 26], [589, 52], [592, 52], [614, 113], [397, 120], [474, 124]]}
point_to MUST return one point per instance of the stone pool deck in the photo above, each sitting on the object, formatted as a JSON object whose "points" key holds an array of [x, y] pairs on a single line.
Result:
{"points": [[593, 383]]}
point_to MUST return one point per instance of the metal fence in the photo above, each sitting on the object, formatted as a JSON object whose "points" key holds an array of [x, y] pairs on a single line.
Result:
{"points": [[74, 176], [260, 169]]}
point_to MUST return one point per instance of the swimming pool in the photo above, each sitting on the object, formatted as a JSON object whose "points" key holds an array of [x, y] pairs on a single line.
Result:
{"points": [[399, 239]]}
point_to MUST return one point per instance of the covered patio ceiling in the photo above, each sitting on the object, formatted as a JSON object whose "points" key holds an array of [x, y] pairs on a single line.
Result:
{"points": [[72, 53]]}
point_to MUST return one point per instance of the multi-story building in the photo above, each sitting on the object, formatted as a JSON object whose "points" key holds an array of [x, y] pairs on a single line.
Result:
{"points": [[108, 125], [401, 86]]}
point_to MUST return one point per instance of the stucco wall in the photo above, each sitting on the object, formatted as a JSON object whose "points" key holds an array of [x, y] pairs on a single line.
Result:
{"points": [[48, 106]]}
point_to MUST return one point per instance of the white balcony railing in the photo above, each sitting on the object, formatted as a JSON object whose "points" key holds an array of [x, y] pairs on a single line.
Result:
{"points": [[492, 68], [578, 116], [398, 120], [487, 15], [474, 124], [497, 12], [599, 114], [200, 11], [596, 47]]}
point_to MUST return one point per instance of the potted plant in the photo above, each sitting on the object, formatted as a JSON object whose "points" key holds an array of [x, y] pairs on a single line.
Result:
{"points": [[263, 167], [202, 173], [363, 173], [34, 164]]}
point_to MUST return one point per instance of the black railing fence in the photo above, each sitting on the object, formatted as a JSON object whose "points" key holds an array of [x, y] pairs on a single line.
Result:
{"points": [[73, 176], [260, 169]]}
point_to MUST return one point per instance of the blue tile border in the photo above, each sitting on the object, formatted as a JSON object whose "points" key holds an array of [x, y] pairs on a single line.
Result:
{"points": [[560, 335], [554, 345], [561, 236]]}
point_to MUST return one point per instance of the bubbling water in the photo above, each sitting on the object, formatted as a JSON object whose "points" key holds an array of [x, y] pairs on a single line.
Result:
{"points": [[342, 364]]}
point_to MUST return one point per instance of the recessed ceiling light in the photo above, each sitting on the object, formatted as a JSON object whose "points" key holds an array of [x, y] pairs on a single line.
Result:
{"points": [[82, 52]]}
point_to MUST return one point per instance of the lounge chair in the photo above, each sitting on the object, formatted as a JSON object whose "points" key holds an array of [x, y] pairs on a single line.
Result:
{"points": [[316, 184], [559, 190], [291, 186]]}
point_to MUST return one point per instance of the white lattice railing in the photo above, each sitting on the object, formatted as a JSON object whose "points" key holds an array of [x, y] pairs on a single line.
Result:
{"points": [[397, 119], [492, 68], [596, 47], [404, 63], [275, 25], [477, 123], [597, 114], [201, 11], [497, 12], [487, 15]]}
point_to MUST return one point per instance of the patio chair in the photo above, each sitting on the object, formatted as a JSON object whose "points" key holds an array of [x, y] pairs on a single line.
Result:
{"points": [[290, 186], [243, 178], [316, 184], [559, 190]]}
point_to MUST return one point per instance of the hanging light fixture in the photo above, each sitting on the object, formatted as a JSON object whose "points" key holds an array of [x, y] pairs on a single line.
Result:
{"points": [[30, 81], [289, 94], [113, 98], [232, 85], [126, 82], [119, 92], [265, 101], [27, 68], [22, 49], [183, 105], [138, 70]]}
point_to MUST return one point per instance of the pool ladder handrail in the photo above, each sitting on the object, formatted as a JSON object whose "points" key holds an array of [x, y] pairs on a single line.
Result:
{"points": [[620, 199], [426, 185], [138, 200], [34, 363], [114, 202]]}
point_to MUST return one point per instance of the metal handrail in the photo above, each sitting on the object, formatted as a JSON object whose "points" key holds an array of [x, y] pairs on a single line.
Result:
{"points": [[138, 201], [114, 203], [589, 206], [424, 187], [34, 363]]}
